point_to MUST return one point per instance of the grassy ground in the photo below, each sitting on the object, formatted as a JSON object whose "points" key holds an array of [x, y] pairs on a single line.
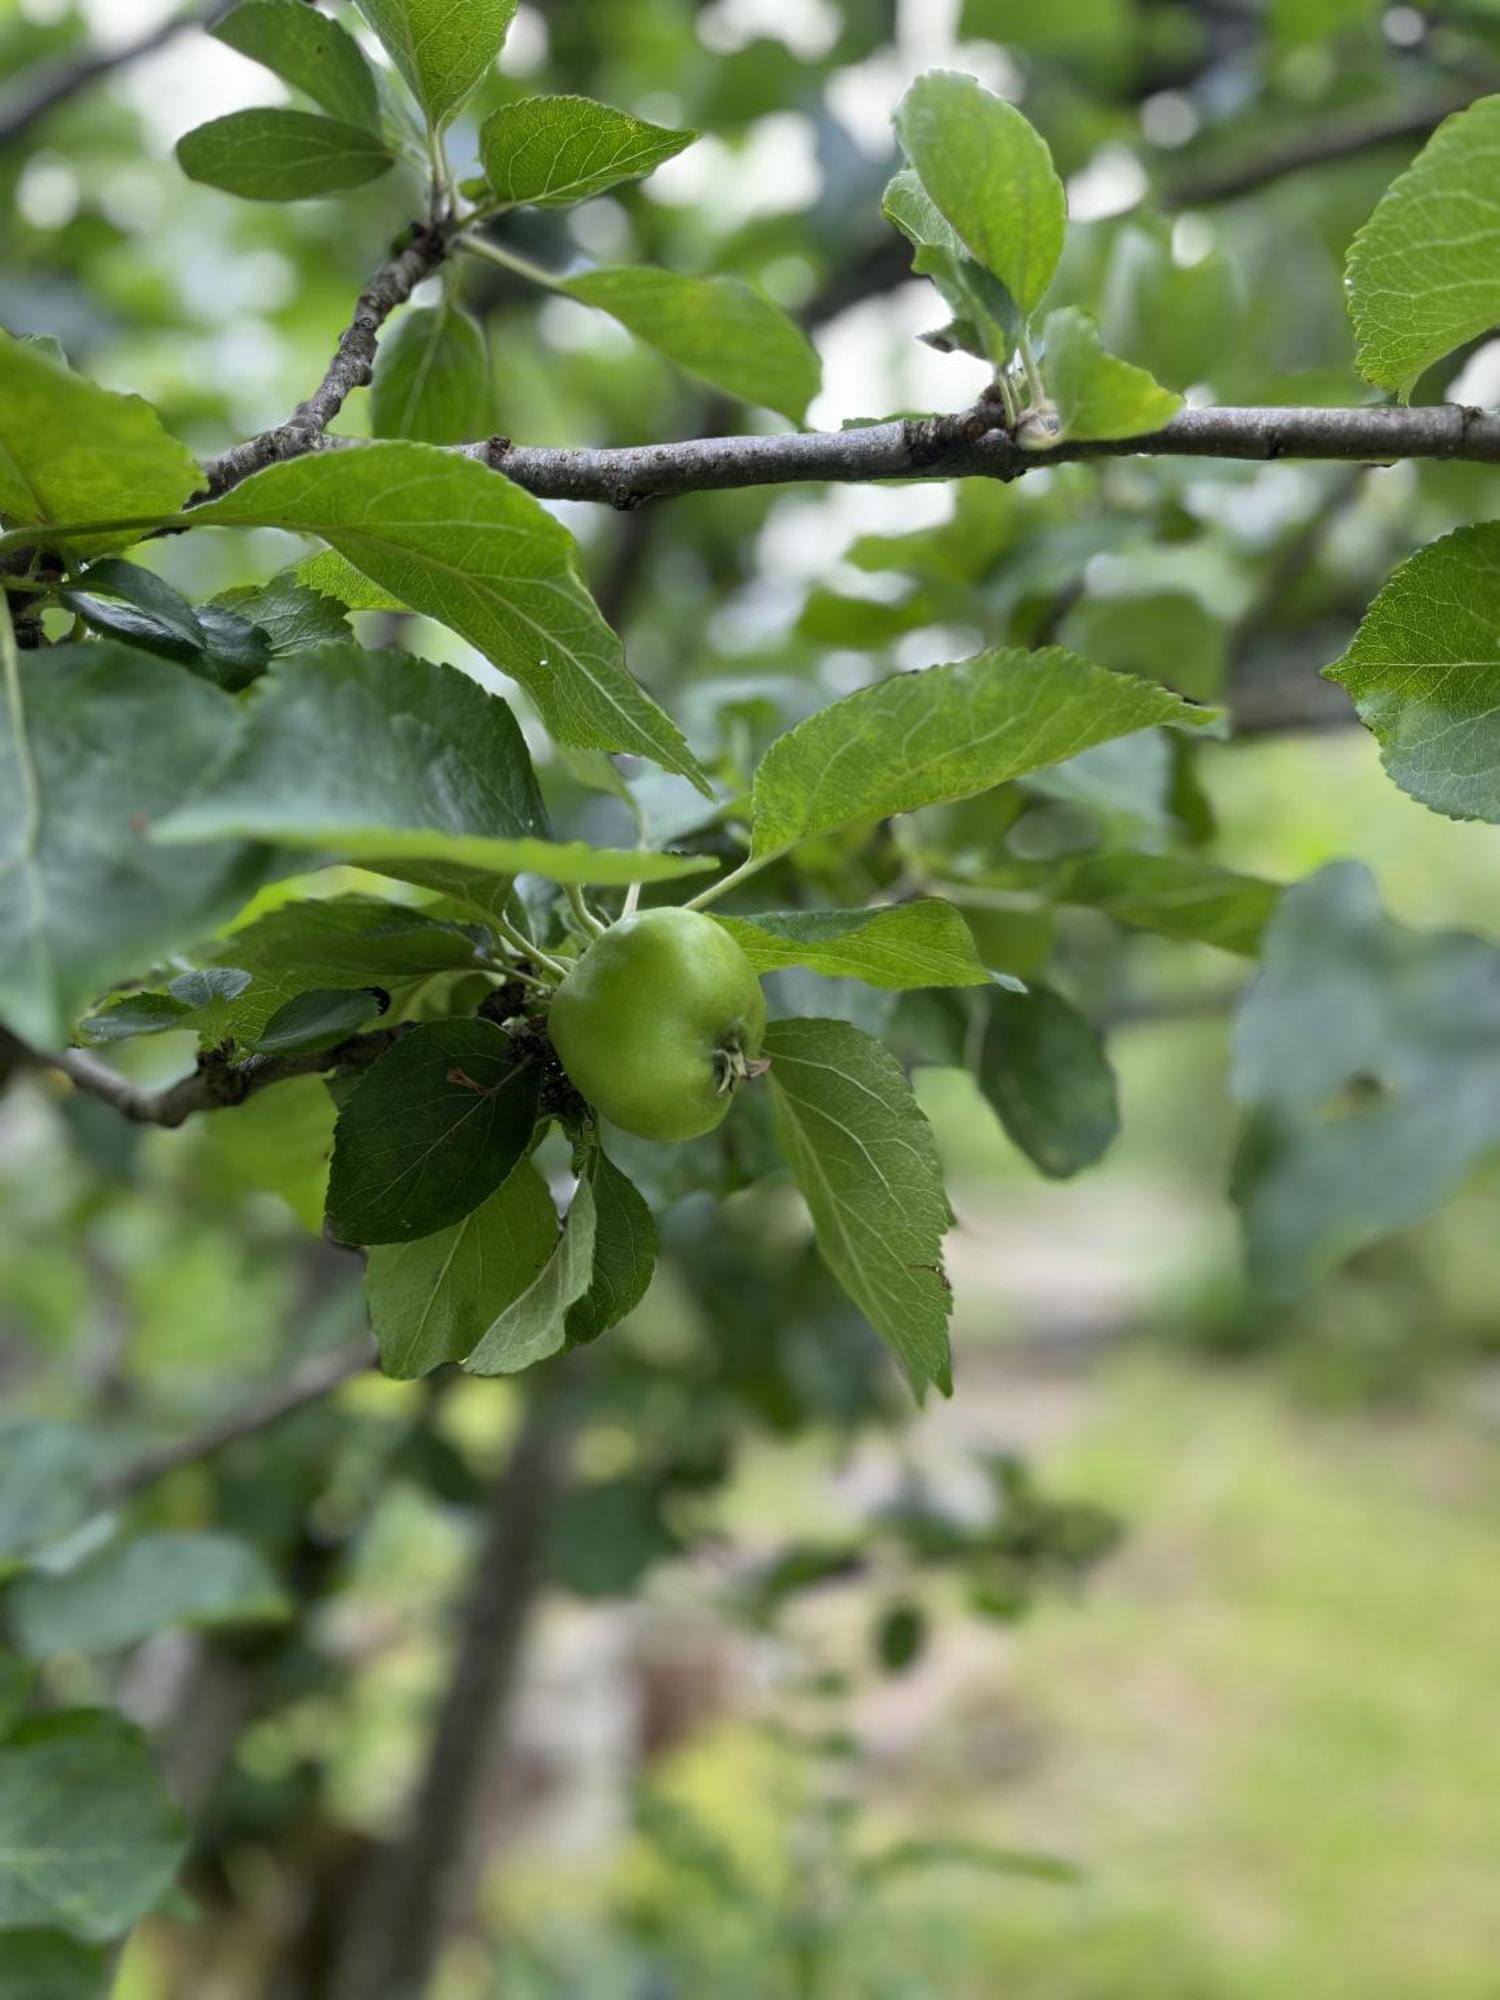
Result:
{"points": [[1271, 1732]]}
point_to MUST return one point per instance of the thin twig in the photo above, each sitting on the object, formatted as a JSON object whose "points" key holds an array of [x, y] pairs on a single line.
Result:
{"points": [[64, 80], [310, 1382], [1333, 137], [214, 1084], [352, 365]]}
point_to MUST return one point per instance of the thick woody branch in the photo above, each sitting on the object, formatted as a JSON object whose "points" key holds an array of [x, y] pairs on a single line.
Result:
{"points": [[352, 365], [945, 448], [939, 447], [216, 1083]]}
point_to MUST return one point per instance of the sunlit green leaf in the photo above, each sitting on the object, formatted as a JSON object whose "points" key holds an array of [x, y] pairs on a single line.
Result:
{"points": [[990, 173], [464, 545], [1424, 272], [717, 328], [442, 48], [551, 151], [898, 945], [536, 1324], [1097, 395]]}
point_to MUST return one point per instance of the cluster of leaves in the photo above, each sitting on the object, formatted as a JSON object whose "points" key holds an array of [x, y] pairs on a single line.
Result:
{"points": [[931, 837]]}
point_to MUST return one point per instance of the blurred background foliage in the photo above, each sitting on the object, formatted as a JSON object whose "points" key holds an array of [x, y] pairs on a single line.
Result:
{"points": [[813, 1704]]}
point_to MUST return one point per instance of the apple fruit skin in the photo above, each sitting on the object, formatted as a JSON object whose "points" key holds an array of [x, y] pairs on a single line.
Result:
{"points": [[659, 1022]]}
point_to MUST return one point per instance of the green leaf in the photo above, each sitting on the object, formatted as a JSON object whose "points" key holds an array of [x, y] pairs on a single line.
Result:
{"points": [[945, 733], [1182, 321], [442, 48], [1097, 395], [1162, 635], [925, 943], [865, 1159], [293, 617], [308, 51], [320, 1018], [535, 1324], [432, 378], [89, 1839], [1424, 673], [552, 151], [71, 451], [349, 941], [975, 298], [86, 899], [1175, 895], [334, 576], [431, 1129], [467, 547], [1364, 1053], [1044, 1070], [625, 1247], [1423, 274], [46, 1476], [433, 782], [432, 1301], [279, 1140], [150, 1584], [991, 175], [275, 154], [45, 1965], [147, 606], [135, 1014], [715, 328]]}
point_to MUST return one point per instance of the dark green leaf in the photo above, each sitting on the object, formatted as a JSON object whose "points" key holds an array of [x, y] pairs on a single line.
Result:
{"points": [[625, 1247], [86, 898], [1364, 1053], [433, 782], [321, 1018], [89, 1838], [1044, 1070], [274, 154], [864, 1157], [135, 1014], [293, 617], [308, 51], [900, 1637], [430, 1130], [46, 1470], [45, 1965], [133, 1589]]}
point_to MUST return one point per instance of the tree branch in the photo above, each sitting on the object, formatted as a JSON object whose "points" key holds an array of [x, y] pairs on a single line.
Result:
{"points": [[352, 365], [214, 1084], [310, 1382], [945, 447], [1336, 137], [64, 80], [414, 1893]]}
